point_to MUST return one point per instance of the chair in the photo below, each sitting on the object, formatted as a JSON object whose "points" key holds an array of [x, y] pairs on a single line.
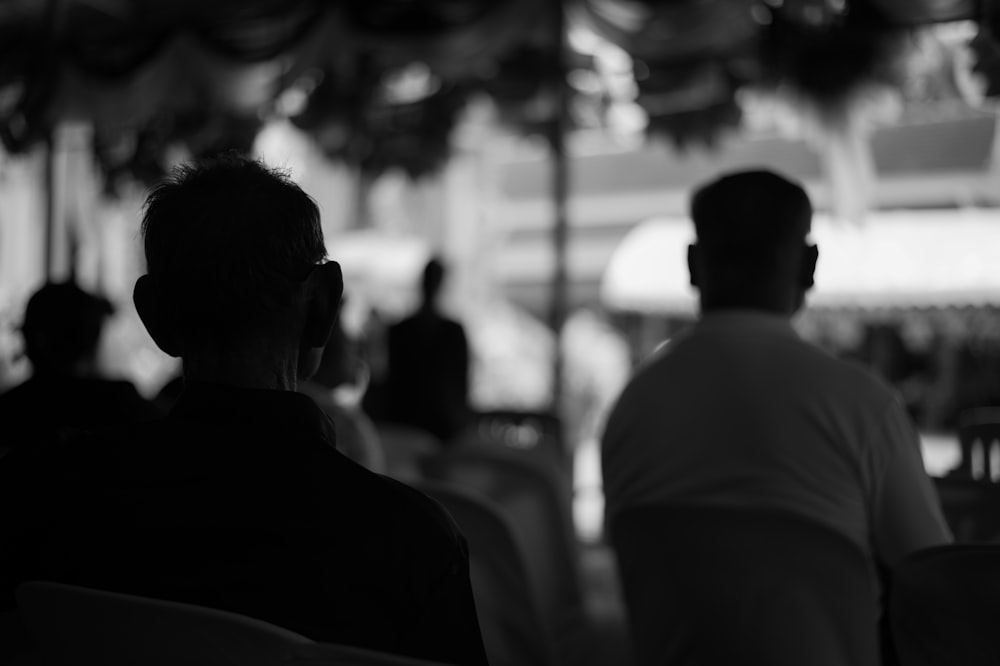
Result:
{"points": [[971, 507], [944, 606], [979, 437], [535, 434], [508, 615], [537, 505], [403, 447], [707, 585], [75, 625]]}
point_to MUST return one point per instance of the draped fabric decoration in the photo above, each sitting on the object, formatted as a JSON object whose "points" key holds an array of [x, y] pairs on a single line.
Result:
{"points": [[826, 51], [691, 105], [141, 155], [521, 87], [150, 74], [690, 58], [696, 54], [385, 127], [392, 98]]}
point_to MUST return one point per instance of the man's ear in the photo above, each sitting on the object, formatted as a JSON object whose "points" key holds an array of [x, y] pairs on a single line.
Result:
{"points": [[325, 287], [807, 269], [693, 259], [161, 326]]}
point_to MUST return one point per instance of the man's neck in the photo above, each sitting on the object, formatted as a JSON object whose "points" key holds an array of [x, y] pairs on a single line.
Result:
{"points": [[242, 370], [776, 304]]}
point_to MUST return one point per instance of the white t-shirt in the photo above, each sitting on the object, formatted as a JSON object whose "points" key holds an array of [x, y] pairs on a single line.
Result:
{"points": [[739, 411]]}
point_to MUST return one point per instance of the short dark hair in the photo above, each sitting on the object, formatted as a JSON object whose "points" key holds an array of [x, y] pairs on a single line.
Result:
{"points": [[62, 325], [433, 276], [748, 214], [225, 239]]}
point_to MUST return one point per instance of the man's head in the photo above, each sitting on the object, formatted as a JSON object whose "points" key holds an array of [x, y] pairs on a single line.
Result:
{"points": [[234, 254], [62, 328], [432, 280], [751, 250]]}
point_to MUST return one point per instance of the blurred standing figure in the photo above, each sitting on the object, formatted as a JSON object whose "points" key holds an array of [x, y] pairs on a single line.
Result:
{"points": [[428, 378], [62, 332], [238, 498], [740, 412]]}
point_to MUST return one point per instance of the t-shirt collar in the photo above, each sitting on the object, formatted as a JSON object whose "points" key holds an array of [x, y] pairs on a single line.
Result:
{"points": [[252, 408], [745, 320]]}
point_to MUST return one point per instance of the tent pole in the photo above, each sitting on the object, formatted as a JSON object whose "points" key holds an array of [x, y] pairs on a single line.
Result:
{"points": [[558, 304], [363, 185], [50, 205]]}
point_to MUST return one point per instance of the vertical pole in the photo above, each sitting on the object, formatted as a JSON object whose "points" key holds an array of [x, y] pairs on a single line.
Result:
{"points": [[558, 304], [363, 184], [50, 205]]}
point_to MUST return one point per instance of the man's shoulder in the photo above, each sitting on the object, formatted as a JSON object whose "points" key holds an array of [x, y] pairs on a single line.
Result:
{"points": [[843, 372], [16, 398], [408, 510]]}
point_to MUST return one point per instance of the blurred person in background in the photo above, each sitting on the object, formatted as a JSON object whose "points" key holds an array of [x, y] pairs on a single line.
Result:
{"points": [[428, 358], [66, 391], [740, 412]]}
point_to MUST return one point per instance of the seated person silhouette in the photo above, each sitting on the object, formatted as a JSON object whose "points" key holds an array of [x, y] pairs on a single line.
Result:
{"points": [[739, 412], [238, 498], [66, 391], [428, 374]]}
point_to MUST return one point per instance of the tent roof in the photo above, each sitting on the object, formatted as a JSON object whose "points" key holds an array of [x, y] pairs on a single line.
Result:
{"points": [[134, 62]]}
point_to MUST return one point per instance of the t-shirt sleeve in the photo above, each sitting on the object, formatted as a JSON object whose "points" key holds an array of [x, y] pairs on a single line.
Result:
{"points": [[906, 510]]}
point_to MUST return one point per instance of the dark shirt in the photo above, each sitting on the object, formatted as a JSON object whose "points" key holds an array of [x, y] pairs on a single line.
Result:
{"points": [[428, 382], [238, 500], [49, 407]]}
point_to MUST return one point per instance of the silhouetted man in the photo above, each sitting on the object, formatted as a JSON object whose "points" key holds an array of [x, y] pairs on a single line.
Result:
{"points": [[67, 391], [428, 382], [739, 412], [238, 499]]}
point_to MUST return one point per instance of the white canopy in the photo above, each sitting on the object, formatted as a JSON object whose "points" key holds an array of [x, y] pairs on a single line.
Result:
{"points": [[902, 258]]}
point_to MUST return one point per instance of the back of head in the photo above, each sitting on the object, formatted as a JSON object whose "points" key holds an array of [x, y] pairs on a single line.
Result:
{"points": [[432, 278], [62, 326], [226, 241], [751, 228]]}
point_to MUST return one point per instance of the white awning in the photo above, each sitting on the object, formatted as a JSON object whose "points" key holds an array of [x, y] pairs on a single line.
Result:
{"points": [[903, 258]]}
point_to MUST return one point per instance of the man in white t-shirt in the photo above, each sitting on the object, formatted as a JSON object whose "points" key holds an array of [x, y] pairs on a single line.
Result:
{"points": [[739, 411]]}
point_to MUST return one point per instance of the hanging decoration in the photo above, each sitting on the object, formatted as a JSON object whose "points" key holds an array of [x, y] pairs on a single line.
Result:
{"points": [[827, 50], [457, 39], [381, 121], [143, 156], [697, 54], [690, 105], [134, 67], [689, 59], [521, 86]]}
